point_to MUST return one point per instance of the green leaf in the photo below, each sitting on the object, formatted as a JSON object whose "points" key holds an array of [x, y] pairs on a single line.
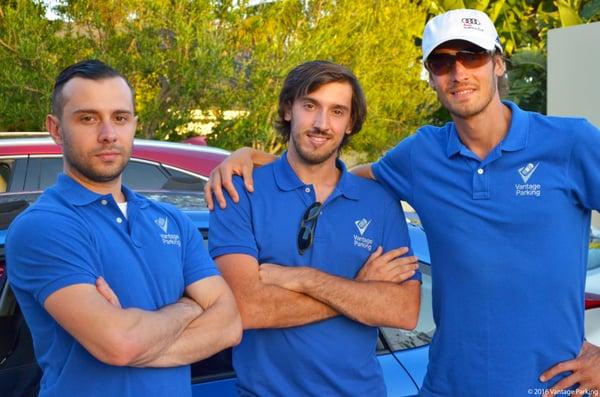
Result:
{"points": [[591, 10], [495, 10], [477, 4], [568, 15]]}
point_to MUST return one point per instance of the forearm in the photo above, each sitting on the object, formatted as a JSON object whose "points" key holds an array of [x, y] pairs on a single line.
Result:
{"points": [[373, 303], [269, 306], [147, 334], [260, 158], [363, 170], [218, 328]]}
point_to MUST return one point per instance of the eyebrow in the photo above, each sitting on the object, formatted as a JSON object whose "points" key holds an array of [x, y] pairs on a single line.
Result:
{"points": [[79, 111], [309, 99]]}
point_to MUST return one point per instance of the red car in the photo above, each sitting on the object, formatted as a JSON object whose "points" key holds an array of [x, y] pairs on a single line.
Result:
{"points": [[31, 164]]}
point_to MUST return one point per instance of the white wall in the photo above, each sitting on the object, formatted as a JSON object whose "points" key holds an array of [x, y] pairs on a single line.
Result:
{"points": [[574, 71], [574, 75]]}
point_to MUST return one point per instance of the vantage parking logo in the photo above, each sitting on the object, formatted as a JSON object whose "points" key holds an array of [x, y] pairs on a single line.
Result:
{"points": [[167, 238], [526, 188]]}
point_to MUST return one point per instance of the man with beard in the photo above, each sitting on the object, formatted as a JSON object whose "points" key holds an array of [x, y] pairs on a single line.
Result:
{"points": [[118, 291], [505, 197], [304, 255]]}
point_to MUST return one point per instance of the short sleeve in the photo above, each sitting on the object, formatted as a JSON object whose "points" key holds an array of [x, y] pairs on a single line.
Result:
{"points": [[47, 251], [395, 231], [197, 263], [584, 165], [394, 170], [231, 230]]}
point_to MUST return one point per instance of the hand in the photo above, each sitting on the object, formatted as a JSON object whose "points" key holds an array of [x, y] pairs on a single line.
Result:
{"points": [[585, 372], [391, 266], [238, 163], [184, 300], [107, 293], [281, 276]]}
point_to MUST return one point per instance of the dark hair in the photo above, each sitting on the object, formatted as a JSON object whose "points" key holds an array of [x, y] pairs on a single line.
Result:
{"points": [[307, 78], [91, 69]]}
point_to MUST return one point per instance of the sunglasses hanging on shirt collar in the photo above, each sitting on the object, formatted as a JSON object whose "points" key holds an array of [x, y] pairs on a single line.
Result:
{"points": [[308, 223]]}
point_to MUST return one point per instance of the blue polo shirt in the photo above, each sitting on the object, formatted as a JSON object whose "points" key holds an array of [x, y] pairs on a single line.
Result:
{"points": [[72, 236], [334, 357], [508, 237]]}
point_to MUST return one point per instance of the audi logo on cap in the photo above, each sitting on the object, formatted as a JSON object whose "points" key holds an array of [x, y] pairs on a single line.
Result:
{"points": [[470, 21]]}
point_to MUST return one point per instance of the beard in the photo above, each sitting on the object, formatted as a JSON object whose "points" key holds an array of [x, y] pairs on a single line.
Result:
{"points": [[82, 163], [314, 157]]}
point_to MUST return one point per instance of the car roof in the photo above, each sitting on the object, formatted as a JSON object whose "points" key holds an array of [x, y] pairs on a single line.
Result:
{"points": [[199, 159]]}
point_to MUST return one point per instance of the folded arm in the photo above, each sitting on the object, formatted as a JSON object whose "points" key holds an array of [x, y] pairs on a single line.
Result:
{"points": [[378, 296], [267, 306], [114, 335], [218, 327]]}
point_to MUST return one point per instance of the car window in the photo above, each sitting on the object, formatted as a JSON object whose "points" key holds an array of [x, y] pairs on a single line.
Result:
{"points": [[144, 176], [594, 253], [400, 339], [179, 180], [49, 170], [6, 167]]}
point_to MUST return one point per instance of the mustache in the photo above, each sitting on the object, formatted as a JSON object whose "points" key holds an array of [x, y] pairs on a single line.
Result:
{"points": [[318, 131]]}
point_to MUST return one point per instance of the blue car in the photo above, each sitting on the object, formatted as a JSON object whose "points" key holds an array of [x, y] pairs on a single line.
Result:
{"points": [[402, 354]]}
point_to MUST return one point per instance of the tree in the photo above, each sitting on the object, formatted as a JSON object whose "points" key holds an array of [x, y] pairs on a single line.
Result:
{"points": [[523, 26], [374, 39]]}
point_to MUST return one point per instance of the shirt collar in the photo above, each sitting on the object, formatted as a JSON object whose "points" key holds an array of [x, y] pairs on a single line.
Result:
{"points": [[78, 195], [287, 180], [516, 138]]}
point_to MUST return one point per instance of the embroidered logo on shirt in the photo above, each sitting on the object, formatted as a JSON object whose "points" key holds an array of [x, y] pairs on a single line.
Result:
{"points": [[163, 223], [362, 241], [167, 238], [525, 188], [527, 171], [362, 225]]}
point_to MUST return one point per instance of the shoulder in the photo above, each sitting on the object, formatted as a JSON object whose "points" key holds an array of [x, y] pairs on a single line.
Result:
{"points": [[370, 190], [561, 124], [46, 217]]}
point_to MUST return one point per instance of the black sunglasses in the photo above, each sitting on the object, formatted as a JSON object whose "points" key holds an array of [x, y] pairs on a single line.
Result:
{"points": [[441, 63], [308, 223]]}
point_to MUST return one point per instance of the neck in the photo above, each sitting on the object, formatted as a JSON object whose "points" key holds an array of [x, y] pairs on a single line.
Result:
{"points": [[323, 176], [111, 187], [482, 132]]}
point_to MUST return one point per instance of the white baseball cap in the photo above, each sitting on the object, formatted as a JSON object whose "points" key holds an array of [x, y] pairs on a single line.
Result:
{"points": [[470, 25]]}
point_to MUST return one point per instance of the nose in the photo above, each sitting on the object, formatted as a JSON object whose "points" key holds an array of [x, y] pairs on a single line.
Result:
{"points": [[107, 132], [321, 120], [459, 71]]}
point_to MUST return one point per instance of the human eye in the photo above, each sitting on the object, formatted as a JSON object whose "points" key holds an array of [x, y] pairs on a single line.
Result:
{"points": [[338, 112], [87, 118], [308, 105], [122, 118]]}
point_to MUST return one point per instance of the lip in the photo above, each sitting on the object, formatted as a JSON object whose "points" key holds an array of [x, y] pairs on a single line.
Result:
{"points": [[462, 92], [108, 155], [318, 139]]}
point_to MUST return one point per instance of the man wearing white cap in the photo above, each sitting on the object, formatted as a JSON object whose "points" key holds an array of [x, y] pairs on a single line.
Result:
{"points": [[505, 196]]}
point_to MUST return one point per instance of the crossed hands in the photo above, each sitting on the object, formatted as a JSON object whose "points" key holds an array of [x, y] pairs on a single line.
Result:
{"points": [[390, 266]]}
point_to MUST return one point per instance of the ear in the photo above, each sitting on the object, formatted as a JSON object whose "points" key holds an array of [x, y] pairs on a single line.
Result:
{"points": [[430, 80], [54, 129], [287, 114], [499, 65]]}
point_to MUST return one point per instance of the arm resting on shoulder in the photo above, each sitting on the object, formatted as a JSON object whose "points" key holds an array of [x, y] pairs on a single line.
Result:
{"points": [[267, 306], [241, 162], [363, 170]]}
